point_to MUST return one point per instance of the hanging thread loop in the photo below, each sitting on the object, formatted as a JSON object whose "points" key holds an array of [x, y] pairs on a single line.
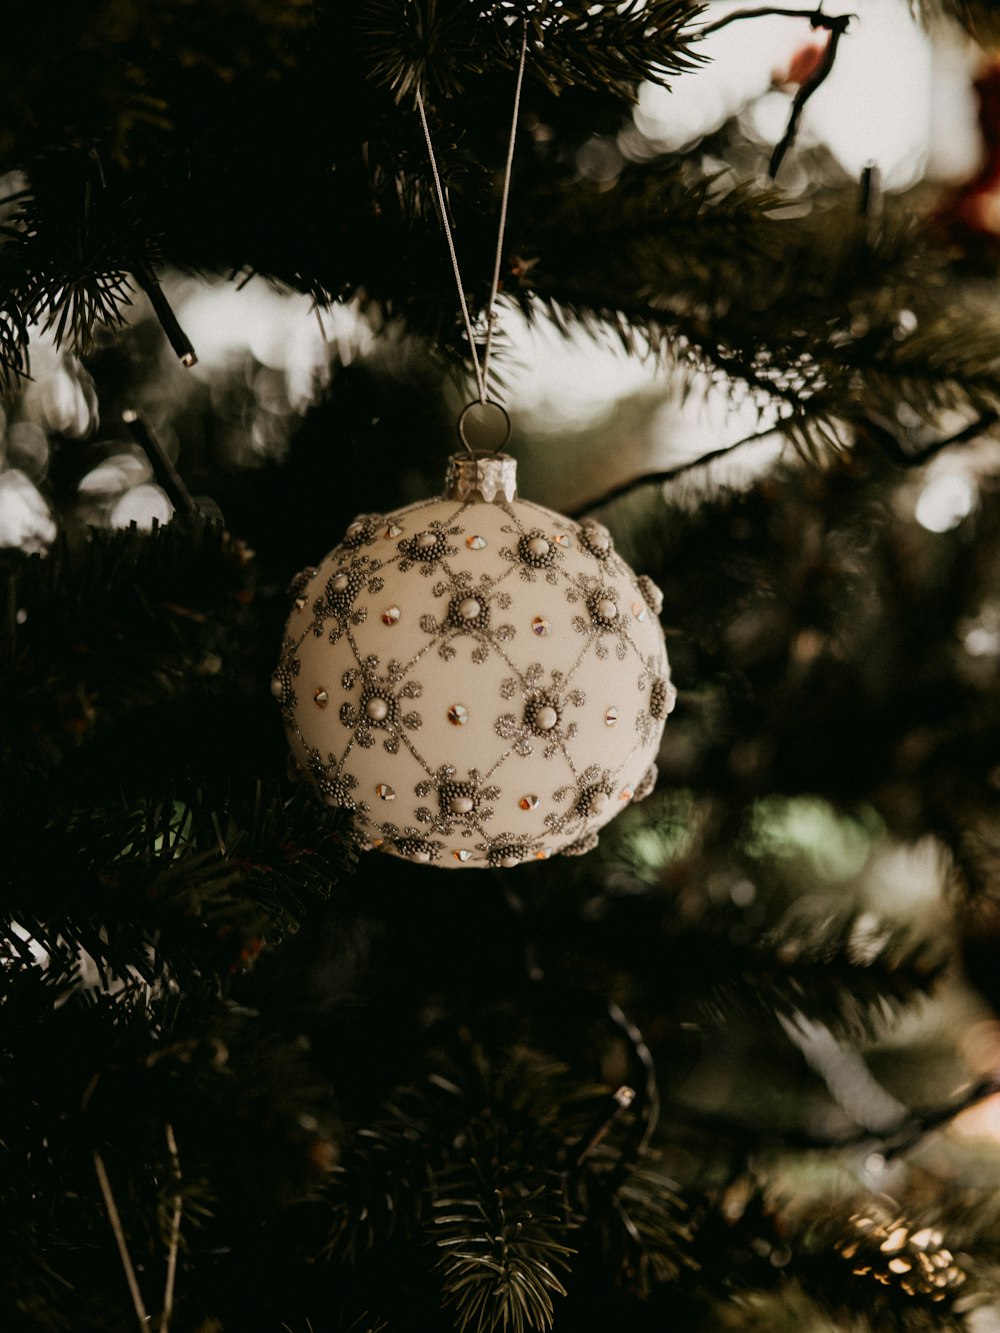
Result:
{"points": [[481, 367]]}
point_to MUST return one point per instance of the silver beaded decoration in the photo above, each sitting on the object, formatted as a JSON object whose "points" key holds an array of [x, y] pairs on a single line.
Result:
{"points": [[475, 603]]}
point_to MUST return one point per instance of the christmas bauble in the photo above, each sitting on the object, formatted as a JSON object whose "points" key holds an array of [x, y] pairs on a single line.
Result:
{"points": [[481, 680]]}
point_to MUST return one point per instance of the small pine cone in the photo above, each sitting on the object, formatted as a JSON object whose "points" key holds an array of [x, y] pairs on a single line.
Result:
{"points": [[906, 1260]]}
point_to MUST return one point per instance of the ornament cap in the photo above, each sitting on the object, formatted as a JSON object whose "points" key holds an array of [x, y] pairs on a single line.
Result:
{"points": [[481, 476]]}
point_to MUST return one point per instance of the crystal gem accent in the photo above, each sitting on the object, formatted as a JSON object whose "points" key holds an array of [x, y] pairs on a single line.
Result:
{"points": [[543, 853], [611, 717], [529, 802], [564, 540], [393, 530], [462, 854], [639, 610], [321, 698], [625, 794], [458, 715], [300, 603], [541, 626], [390, 615], [386, 792], [475, 542]]}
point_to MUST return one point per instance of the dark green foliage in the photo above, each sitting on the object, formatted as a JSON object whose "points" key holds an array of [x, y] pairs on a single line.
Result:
{"points": [[319, 104], [613, 1093], [439, 46], [497, 1233], [478, 1171], [172, 608]]}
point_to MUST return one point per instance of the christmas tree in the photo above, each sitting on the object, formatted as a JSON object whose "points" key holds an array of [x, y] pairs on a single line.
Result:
{"points": [[737, 1065]]}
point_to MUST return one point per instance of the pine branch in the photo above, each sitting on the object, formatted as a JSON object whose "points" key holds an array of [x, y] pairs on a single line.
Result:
{"points": [[849, 971], [641, 1229], [501, 1233], [179, 595], [440, 46], [177, 887]]}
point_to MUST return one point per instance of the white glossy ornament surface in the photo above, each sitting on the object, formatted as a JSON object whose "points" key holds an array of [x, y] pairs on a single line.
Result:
{"points": [[506, 703]]}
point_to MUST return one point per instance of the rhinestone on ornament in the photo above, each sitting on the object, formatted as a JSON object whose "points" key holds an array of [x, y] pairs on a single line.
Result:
{"points": [[625, 794], [391, 615], [475, 542], [640, 610], [385, 792], [563, 540], [529, 802], [300, 603], [540, 626], [462, 854], [321, 698], [393, 530], [611, 717], [458, 715]]}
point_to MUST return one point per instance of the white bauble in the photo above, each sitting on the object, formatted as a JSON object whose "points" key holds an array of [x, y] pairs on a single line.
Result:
{"points": [[481, 680]]}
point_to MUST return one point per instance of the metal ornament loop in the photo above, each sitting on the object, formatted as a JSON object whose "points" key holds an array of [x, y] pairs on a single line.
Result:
{"points": [[483, 427]]}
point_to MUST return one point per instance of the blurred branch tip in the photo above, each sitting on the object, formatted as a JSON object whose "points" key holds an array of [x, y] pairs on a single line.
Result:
{"points": [[166, 474], [178, 339]]}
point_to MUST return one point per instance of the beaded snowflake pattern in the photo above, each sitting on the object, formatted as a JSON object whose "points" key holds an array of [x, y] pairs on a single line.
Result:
{"points": [[501, 578]]}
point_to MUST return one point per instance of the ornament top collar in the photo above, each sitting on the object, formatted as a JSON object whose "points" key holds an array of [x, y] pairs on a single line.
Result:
{"points": [[481, 476]]}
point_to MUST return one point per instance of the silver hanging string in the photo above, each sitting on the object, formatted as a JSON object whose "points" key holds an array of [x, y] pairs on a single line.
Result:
{"points": [[491, 313], [481, 369]]}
